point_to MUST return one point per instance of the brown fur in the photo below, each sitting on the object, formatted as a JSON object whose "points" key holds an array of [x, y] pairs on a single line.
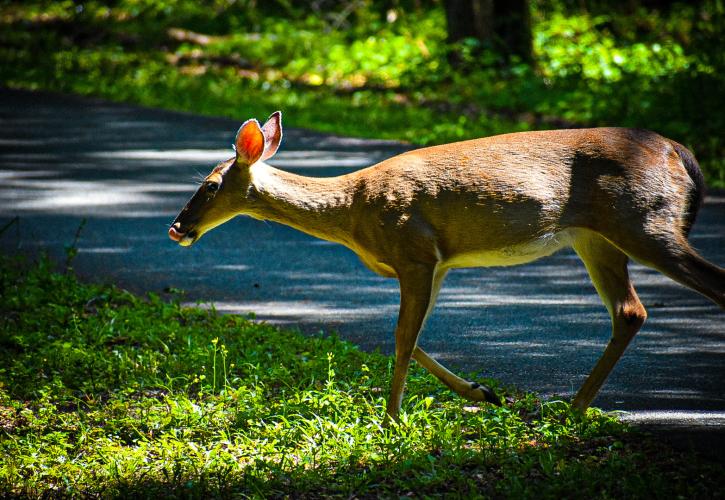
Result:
{"points": [[610, 193]]}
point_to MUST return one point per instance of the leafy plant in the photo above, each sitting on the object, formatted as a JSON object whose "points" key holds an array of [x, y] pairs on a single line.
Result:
{"points": [[103, 393], [384, 76]]}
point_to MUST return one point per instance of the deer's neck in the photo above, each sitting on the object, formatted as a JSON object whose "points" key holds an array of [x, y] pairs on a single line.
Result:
{"points": [[317, 206]]}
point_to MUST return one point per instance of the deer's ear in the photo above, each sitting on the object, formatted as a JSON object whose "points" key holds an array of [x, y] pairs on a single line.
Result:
{"points": [[249, 143], [272, 130]]}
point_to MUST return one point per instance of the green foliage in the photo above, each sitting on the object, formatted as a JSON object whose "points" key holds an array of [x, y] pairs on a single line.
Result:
{"points": [[105, 393], [377, 73], [577, 46]]}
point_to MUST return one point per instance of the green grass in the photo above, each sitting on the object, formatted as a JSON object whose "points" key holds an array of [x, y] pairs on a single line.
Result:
{"points": [[375, 78], [103, 393]]}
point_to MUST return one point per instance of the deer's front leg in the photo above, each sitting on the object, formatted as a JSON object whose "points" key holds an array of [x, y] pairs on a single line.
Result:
{"points": [[416, 283], [469, 390]]}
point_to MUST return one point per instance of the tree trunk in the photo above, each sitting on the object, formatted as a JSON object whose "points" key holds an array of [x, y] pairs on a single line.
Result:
{"points": [[504, 25], [512, 27], [469, 19]]}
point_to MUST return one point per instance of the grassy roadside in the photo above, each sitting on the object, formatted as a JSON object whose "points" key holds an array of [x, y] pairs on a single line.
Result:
{"points": [[103, 393]]}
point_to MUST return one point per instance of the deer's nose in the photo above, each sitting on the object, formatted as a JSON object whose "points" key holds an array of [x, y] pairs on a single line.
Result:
{"points": [[174, 232]]}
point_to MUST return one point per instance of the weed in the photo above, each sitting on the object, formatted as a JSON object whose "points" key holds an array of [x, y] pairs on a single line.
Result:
{"points": [[103, 393], [71, 250]]}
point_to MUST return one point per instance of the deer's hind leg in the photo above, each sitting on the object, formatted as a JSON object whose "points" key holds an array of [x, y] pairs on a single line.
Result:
{"points": [[607, 267], [676, 259]]}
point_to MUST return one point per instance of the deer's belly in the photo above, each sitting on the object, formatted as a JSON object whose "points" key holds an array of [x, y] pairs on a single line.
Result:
{"points": [[513, 254]]}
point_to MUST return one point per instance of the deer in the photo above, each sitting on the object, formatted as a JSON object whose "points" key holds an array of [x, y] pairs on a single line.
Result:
{"points": [[611, 194]]}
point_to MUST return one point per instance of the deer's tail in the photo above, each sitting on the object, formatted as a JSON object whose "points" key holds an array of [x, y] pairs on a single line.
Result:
{"points": [[697, 193]]}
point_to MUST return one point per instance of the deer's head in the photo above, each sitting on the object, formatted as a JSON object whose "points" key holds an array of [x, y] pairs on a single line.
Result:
{"points": [[223, 193]]}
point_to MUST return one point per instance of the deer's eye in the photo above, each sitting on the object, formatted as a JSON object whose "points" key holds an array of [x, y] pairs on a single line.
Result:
{"points": [[212, 187]]}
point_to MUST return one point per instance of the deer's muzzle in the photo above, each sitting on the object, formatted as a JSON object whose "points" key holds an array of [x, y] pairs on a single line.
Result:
{"points": [[183, 238]]}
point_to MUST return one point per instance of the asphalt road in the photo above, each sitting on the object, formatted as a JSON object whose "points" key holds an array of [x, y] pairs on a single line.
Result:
{"points": [[128, 170]]}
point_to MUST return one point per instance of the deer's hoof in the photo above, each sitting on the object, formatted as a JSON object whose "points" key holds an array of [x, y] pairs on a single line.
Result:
{"points": [[484, 393]]}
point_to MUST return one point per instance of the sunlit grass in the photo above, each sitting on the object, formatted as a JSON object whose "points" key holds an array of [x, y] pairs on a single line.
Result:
{"points": [[106, 393]]}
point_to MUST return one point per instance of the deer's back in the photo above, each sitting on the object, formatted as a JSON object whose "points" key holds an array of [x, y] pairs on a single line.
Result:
{"points": [[519, 193]]}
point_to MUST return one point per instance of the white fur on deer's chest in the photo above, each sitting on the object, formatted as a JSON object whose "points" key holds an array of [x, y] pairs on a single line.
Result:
{"points": [[512, 255]]}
